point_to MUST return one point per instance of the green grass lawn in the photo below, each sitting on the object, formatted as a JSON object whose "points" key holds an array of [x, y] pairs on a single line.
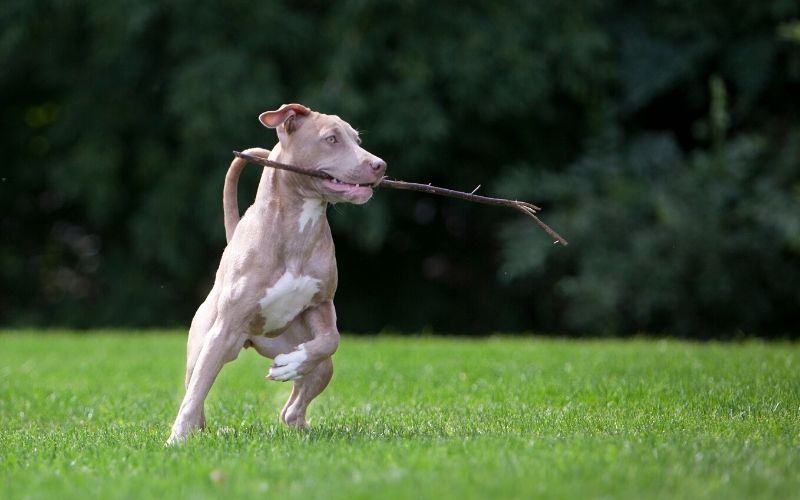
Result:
{"points": [[87, 416]]}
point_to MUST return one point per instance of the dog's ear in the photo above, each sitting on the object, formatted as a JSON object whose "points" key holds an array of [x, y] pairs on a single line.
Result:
{"points": [[283, 116]]}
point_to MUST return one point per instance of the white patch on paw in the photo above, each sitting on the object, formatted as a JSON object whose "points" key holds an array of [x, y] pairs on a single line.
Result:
{"points": [[312, 210], [287, 298], [287, 366], [297, 356]]}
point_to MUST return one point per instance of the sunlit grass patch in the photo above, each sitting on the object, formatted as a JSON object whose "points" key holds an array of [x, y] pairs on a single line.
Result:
{"points": [[87, 415]]}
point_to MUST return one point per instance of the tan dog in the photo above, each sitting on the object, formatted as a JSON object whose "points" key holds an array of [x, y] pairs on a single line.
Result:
{"points": [[276, 280]]}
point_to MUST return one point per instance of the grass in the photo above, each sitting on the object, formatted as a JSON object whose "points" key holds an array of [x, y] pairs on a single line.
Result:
{"points": [[87, 415]]}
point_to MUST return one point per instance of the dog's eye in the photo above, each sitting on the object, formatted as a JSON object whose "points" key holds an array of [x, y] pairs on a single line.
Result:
{"points": [[332, 139]]}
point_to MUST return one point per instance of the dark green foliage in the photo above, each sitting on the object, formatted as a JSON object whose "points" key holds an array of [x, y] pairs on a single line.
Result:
{"points": [[662, 139]]}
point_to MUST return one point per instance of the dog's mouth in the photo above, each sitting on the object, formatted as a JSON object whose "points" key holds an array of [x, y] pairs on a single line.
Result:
{"points": [[334, 180], [348, 191]]}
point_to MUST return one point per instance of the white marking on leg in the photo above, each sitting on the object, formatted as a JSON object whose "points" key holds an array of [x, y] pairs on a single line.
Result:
{"points": [[287, 366], [297, 356], [312, 210], [287, 298]]}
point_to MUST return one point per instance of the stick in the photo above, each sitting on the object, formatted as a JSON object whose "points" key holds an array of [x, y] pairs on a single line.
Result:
{"points": [[528, 209], [280, 166]]}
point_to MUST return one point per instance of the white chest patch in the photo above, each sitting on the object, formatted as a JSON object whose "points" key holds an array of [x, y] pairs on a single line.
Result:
{"points": [[312, 210], [287, 298]]}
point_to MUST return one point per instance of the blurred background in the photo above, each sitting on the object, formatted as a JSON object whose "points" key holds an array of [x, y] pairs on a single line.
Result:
{"points": [[661, 138]]}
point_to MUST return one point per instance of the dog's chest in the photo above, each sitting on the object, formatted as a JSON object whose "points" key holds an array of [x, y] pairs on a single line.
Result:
{"points": [[284, 300]]}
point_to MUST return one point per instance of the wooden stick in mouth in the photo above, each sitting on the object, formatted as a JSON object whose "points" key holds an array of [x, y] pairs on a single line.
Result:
{"points": [[528, 209]]}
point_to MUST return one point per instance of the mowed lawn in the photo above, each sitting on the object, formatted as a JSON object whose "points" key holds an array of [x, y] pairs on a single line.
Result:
{"points": [[86, 416]]}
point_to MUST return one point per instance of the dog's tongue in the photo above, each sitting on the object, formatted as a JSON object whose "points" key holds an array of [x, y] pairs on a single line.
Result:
{"points": [[357, 189], [355, 193]]}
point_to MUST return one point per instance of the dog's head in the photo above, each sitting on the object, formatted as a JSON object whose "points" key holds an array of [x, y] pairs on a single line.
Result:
{"points": [[328, 144]]}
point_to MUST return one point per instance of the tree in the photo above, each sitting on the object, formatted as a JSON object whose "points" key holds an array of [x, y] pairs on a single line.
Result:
{"points": [[119, 124]]}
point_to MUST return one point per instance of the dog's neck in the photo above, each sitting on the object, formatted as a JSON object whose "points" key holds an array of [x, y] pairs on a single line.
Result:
{"points": [[291, 198], [295, 212]]}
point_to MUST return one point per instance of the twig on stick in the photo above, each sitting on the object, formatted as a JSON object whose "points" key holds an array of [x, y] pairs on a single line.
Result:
{"points": [[528, 209]]}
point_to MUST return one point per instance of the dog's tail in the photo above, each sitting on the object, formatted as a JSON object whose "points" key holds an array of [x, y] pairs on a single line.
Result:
{"points": [[230, 198]]}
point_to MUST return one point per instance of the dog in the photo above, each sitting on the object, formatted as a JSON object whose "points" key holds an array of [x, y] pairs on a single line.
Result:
{"points": [[276, 279]]}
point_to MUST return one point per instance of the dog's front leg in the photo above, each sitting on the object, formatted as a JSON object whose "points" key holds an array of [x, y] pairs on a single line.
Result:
{"points": [[321, 321]]}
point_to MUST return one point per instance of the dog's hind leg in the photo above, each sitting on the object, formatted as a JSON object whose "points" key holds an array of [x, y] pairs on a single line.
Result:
{"points": [[305, 390], [222, 343]]}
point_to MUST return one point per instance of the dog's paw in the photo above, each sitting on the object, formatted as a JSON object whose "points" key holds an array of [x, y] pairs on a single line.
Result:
{"points": [[289, 366], [175, 440]]}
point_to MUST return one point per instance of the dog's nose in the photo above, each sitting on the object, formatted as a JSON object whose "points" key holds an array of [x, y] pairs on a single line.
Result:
{"points": [[378, 165]]}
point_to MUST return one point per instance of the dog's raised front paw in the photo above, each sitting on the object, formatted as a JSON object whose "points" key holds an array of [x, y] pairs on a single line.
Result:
{"points": [[289, 366]]}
